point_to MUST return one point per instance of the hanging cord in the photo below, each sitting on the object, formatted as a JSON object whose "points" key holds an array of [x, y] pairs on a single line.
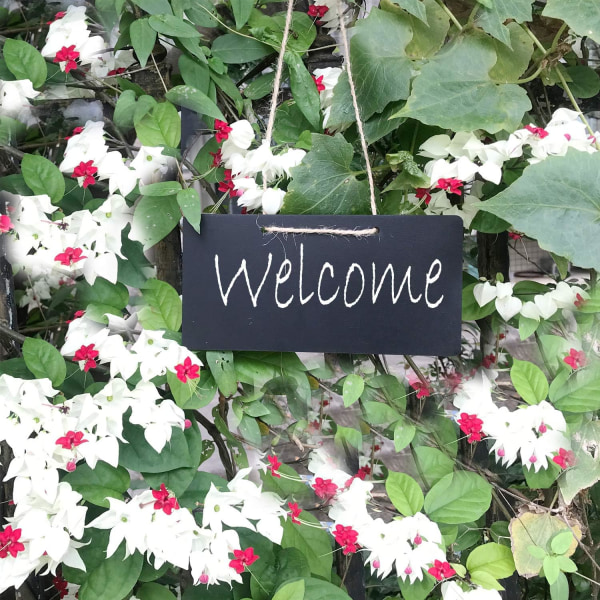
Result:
{"points": [[359, 125], [278, 71]]}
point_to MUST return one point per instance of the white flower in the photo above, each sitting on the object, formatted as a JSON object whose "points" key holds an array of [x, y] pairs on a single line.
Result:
{"points": [[14, 100], [330, 76], [272, 199], [220, 508], [151, 165], [506, 304], [452, 591], [238, 140]]}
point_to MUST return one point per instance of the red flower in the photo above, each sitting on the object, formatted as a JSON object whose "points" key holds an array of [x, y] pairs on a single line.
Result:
{"points": [[423, 390], [187, 370], [363, 472], [70, 256], [228, 186], [59, 15], [514, 236], [564, 458], [346, 537], [116, 71], [222, 130], [275, 464], [471, 425], [243, 559], [576, 359], [579, 302], [423, 194], [87, 353], [165, 500], [295, 511], [75, 132], [451, 185], [441, 570], [5, 224], [60, 585], [324, 488], [9, 542], [317, 11], [71, 439], [87, 171], [539, 131], [68, 55], [319, 83], [217, 158], [488, 361], [78, 314]]}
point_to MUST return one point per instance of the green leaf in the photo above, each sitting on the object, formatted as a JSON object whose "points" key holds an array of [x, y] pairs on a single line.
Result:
{"points": [[428, 34], [138, 455], [551, 569], [416, 8], [529, 381], [382, 72], [404, 434], [433, 464], [235, 49], [154, 218], [538, 552], [290, 123], [582, 16], [260, 87], [102, 292], [304, 89], [559, 590], [291, 591], [348, 436], [491, 18], [455, 91], [458, 498], [195, 100], [182, 392], [580, 393], [191, 207], [585, 82], [534, 204], [379, 413], [163, 306], [25, 62], [314, 543], [100, 483], [176, 480], [404, 492], [417, 590], [542, 479], [527, 326], [113, 578], [566, 564], [197, 490], [513, 58], [143, 38], [354, 386], [154, 7], [492, 559], [584, 474], [561, 542], [154, 591], [43, 177], [241, 11], [44, 360], [164, 188], [222, 368], [172, 26], [161, 127], [324, 182]]}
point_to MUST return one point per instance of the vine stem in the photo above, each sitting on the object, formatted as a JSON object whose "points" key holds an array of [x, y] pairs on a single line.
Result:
{"points": [[569, 93], [450, 15]]}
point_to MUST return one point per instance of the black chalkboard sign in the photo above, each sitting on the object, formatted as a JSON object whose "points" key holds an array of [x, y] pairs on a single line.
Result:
{"points": [[394, 290]]}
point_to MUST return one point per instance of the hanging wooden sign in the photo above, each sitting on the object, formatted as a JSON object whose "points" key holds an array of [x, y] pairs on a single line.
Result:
{"points": [[373, 284]]}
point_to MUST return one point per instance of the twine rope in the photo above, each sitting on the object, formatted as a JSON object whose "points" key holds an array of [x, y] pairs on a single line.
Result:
{"points": [[322, 230], [361, 133]]}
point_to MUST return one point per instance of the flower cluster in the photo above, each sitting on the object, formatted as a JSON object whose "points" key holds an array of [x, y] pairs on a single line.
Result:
{"points": [[563, 296], [458, 160], [534, 434], [243, 165], [71, 45], [411, 546]]}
